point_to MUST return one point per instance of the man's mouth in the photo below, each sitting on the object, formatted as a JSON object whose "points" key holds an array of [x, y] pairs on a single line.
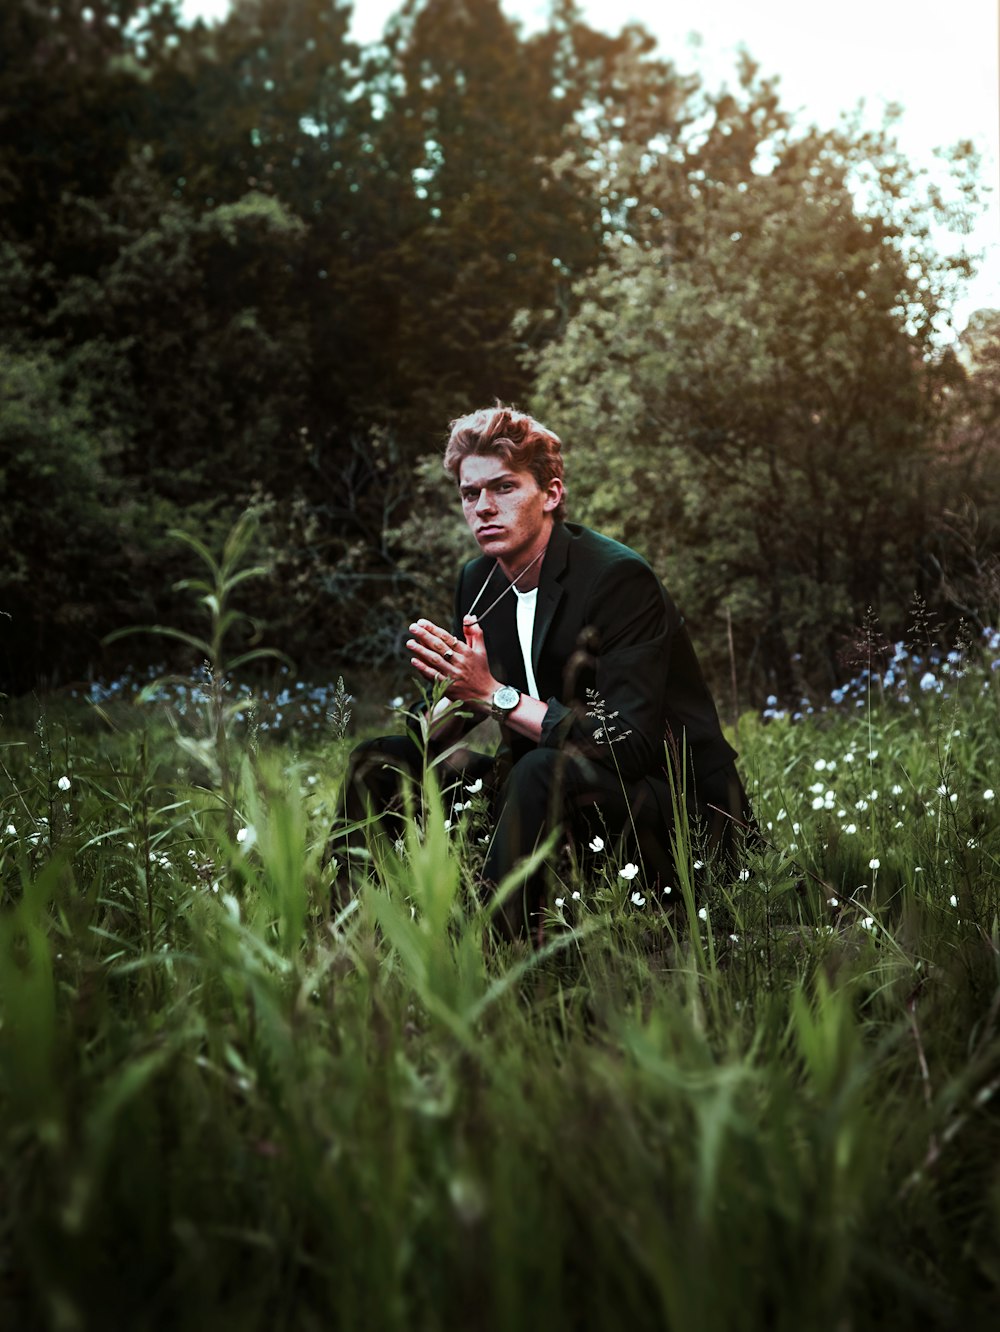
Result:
{"points": [[489, 531]]}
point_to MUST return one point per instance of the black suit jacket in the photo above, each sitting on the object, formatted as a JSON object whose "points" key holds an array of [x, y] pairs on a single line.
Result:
{"points": [[604, 623]]}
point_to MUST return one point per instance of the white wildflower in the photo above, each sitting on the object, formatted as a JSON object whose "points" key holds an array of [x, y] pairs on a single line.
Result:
{"points": [[872, 753], [64, 783], [861, 804], [851, 829], [11, 830], [699, 864], [833, 901], [560, 901], [953, 900], [744, 875], [596, 844], [868, 923], [447, 825], [942, 789], [820, 765], [817, 788], [243, 834], [703, 913], [988, 794], [667, 890], [475, 787], [954, 797], [628, 871], [638, 899], [897, 789], [782, 814], [796, 829], [818, 802], [576, 896], [874, 863]]}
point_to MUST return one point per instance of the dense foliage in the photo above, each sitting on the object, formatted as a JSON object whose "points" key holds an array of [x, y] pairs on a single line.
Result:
{"points": [[256, 264]]}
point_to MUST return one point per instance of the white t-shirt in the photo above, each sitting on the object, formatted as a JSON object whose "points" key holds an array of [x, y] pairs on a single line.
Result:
{"points": [[526, 603]]}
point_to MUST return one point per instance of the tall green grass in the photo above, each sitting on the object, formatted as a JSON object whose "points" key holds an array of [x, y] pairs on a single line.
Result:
{"points": [[761, 1103]]}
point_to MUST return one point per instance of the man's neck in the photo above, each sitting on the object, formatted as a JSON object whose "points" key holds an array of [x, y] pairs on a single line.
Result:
{"points": [[530, 565]]}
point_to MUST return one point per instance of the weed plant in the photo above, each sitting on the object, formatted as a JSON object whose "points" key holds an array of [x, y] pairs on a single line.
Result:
{"points": [[762, 1103]]}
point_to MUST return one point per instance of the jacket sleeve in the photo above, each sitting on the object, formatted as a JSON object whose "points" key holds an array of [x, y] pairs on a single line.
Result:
{"points": [[614, 708]]}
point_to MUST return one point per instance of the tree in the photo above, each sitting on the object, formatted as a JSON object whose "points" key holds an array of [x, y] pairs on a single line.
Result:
{"points": [[960, 550], [63, 519], [751, 386]]}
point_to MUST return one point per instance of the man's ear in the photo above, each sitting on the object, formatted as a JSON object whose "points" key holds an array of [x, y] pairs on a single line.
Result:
{"points": [[553, 494]]}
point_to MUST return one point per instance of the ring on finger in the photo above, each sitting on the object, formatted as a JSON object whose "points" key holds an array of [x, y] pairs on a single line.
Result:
{"points": [[448, 653]]}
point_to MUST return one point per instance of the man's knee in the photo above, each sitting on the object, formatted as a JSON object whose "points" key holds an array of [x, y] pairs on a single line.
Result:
{"points": [[535, 779], [377, 769]]}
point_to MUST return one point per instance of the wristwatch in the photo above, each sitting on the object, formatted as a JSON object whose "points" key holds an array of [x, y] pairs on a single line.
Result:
{"points": [[504, 701]]}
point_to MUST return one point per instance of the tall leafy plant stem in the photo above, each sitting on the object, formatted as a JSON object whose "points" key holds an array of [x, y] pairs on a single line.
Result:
{"points": [[214, 591]]}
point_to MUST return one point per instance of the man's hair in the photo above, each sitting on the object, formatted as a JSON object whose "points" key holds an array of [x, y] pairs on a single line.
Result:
{"points": [[522, 442]]}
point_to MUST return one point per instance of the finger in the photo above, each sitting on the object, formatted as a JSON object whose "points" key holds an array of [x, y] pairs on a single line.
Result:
{"points": [[430, 630], [473, 631], [434, 639], [433, 652], [420, 632], [438, 677], [428, 655]]}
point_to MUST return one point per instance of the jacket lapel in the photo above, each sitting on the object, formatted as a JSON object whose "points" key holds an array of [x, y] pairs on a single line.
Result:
{"points": [[550, 590]]}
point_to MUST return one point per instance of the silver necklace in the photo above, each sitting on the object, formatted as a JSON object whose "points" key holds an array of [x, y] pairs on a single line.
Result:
{"points": [[509, 586]]}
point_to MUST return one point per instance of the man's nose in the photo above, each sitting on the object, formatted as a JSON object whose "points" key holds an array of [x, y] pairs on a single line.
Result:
{"points": [[484, 504]]}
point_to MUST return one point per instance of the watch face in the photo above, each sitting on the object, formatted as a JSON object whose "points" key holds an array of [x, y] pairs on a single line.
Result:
{"points": [[506, 698]]}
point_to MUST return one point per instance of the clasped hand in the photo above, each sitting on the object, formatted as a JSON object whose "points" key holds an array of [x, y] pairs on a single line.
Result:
{"points": [[441, 657]]}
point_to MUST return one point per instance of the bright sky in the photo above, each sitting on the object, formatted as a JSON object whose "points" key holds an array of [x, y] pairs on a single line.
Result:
{"points": [[940, 63]]}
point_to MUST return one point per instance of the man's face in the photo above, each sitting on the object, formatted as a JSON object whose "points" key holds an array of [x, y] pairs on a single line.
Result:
{"points": [[509, 513]]}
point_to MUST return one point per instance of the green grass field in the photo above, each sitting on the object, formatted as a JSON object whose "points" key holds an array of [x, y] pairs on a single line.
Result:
{"points": [[773, 1104]]}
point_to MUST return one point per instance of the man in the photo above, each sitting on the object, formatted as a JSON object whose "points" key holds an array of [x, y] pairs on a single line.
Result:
{"points": [[576, 648]]}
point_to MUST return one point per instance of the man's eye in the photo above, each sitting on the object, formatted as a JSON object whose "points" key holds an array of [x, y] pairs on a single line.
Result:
{"points": [[506, 485]]}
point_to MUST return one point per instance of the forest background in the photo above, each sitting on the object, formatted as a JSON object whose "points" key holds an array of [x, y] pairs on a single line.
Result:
{"points": [[255, 264]]}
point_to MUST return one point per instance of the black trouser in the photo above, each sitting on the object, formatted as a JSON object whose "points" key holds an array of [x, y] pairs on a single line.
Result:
{"points": [[546, 789]]}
